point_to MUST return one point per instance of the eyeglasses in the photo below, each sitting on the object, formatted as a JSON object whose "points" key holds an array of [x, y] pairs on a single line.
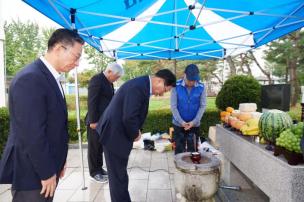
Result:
{"points": [[76, 57]]}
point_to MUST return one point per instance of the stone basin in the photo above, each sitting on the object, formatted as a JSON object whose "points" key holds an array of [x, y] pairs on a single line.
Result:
{"points": [[196, 182]]}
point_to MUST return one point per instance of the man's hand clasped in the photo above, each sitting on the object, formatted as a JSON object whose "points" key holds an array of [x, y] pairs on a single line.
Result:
{"points": [[93, 125], [188, 126]]}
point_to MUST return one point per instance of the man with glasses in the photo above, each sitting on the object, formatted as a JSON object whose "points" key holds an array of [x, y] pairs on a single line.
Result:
{"points": [[188, 103], [35, 154], [75, 55], [121, 122]]}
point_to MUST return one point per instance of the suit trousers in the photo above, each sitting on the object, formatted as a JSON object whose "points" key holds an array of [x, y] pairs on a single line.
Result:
{"points": [[29, 196], [118, 177], [95, 152]]}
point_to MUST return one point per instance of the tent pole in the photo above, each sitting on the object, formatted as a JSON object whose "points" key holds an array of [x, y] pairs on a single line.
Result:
{"points": [[79, 129], [72, 12]]}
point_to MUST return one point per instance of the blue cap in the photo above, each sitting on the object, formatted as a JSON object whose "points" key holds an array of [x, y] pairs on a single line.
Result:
{"points": [[192, 73]]}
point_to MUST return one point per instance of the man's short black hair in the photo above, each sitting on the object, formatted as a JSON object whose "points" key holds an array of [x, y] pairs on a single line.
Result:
{"points": [[64, 36], [168, 76]]}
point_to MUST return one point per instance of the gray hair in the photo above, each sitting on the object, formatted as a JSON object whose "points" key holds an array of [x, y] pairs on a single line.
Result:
{"points": [[115, 68]]}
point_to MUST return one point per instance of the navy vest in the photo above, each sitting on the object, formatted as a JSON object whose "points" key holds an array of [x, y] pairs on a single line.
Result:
{"points": [[188, 104]]}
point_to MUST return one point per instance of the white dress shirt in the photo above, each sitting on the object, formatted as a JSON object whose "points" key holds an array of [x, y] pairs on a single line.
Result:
{"points": [[54, 72]]}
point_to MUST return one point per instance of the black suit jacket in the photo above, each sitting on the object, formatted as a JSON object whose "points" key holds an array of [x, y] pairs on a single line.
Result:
{"points": [[38, 141], [100, 93], [123, 118]]}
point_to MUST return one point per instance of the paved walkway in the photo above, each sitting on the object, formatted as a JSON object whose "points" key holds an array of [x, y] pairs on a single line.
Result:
{"points": [[157, 186], [154, 186]]}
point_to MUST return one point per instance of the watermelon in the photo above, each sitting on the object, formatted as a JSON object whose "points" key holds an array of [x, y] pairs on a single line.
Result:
{"points": [[272, 123]]}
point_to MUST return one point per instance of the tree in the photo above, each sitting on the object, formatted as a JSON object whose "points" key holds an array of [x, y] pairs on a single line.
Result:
{"points": [[242, 64], [85, 76], [22, 45], [45, 35], [288, 52], [141, 67], [232, 66], [137, 68], [265, 71], [97, 59]]}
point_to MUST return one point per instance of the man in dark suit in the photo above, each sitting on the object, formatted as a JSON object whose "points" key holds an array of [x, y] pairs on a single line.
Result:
{"points": [[35, 153], [100, 93], [121, 122]]}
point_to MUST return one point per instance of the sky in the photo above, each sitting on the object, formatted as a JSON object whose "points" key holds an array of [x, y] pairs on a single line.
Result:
{"points": [[14, 9]]}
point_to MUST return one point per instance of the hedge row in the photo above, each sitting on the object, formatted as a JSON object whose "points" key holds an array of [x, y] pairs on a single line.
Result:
{"points": [[70, 99], [4, 126], [72, 128], [157, 121], [161, 120]]}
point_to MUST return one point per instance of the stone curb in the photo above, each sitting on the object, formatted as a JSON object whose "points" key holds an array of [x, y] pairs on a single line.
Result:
{"points": [[76, 146]]}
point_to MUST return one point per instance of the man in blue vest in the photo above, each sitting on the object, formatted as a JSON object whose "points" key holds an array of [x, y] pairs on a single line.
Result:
{"points": [[188, 103]]}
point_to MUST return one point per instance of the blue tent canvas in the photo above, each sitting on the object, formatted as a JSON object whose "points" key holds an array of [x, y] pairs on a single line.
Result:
{"points": [[177, 29]]}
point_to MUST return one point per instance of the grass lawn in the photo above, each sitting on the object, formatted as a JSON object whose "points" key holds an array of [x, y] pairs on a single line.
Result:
{"points": [[164, 103], [156, 103]]}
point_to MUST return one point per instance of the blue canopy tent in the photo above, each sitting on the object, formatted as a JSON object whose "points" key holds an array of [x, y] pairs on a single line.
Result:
{"points": [[177, 29], [174, 29]]}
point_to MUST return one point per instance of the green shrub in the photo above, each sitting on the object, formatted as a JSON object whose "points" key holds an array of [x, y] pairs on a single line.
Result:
{"points": [[210, 118], [4, 127], [239, 89], [161, 120], [157, 120], [72, 127], [71, 104]]}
